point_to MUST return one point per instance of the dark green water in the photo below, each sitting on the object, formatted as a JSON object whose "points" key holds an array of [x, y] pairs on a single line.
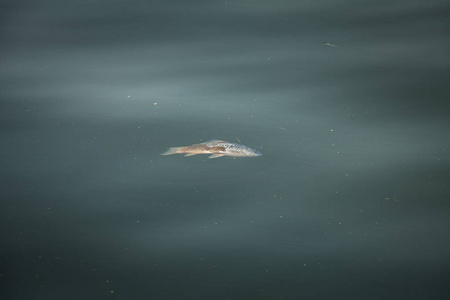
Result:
{"points": [[347, 100]]}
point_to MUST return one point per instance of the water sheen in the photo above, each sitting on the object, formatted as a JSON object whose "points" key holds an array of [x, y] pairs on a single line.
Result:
{"points": [[347, 101]]}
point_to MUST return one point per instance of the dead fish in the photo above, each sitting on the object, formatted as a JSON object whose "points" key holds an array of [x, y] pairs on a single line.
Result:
{"points": [[217, 148]]}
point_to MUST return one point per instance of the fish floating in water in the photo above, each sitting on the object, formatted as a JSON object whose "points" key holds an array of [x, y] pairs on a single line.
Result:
{"points": [[216, 148]]}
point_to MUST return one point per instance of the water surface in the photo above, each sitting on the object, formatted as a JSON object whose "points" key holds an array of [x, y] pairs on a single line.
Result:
{"points": [[347, 101]]}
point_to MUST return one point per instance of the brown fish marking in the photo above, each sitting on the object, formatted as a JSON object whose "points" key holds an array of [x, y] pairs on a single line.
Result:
{"points": [[198, 149]]}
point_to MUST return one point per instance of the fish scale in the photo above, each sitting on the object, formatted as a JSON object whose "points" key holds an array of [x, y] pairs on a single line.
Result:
{"points": [[231, 145]]}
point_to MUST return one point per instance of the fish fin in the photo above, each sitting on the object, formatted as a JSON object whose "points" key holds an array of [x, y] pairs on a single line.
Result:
{"points": [[172, 150], [216, 155], [190, 154], [213, 141]]}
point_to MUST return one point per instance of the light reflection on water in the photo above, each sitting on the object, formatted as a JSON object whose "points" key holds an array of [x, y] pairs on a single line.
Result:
{"points": [[354, 140]]}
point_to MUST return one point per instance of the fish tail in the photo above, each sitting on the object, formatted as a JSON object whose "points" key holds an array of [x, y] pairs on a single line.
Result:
{"points": [[173, 150]]}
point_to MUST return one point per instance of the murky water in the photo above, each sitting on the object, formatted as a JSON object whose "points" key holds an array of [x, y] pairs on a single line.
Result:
{"points": [[347, 101]]}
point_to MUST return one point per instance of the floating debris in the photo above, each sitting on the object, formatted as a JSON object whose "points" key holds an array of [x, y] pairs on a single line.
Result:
{"points": [[217, 148]]}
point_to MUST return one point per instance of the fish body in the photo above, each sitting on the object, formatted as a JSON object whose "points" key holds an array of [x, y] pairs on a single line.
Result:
{"points": [[216, 148]]}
